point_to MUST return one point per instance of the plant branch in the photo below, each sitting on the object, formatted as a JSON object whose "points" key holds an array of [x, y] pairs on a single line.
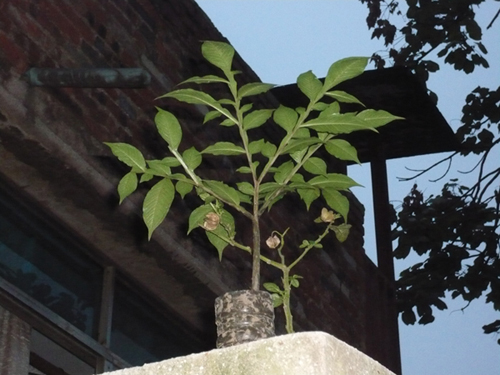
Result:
{"points": [[311, 245], [198, 182]]}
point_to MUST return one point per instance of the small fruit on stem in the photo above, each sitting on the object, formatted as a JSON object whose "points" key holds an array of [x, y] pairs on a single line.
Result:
{"points": [[273, 241], [211, 221]]}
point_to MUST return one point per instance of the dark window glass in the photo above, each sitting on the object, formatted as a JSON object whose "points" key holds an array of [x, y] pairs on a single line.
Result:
{"points": [[50, 358], [141, 335], [39, 262]]}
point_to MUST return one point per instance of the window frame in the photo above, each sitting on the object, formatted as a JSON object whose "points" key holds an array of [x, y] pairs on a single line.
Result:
{"points": [[94, 351]]}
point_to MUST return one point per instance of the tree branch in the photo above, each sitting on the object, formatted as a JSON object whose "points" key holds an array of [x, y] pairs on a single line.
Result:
{"points": [[493, 20]]}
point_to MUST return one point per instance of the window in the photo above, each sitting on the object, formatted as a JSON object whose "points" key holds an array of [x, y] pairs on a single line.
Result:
{"points": [[49, 358], [139, 334], [84, 320], [42, 266]]}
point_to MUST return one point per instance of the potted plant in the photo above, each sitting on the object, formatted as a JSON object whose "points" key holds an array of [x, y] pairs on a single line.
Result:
{"points": [[271, 170]]}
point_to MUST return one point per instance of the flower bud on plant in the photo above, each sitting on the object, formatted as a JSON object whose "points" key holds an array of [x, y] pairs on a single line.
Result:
{"points": [[211, 221], [273, 241], [327, 216]]}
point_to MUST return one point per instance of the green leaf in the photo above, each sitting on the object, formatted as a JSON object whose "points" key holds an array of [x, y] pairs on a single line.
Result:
{"points": [[283, 171], [323, 136], [269, 150], [170, 161], [224, 148], [204, 196], [286, 118], [228, 122], [320, 106], [268, 187], [227, 222], [214, 236], [245, 187], [299, 183], [183, 188], [315, 166], [219, 54], [256, 118], [277, 300], [256, 146], [300, 144], [128, 154], [146, 177], [197, 216], [211, 115], [192, 158], [225, 192], [127, 185], [227, 102], [298, 155], [343, 70], [244, 198], [254, 88], [336, 201], [196, 97], [244, 169], [309, 196], [158, 168], [333, 181], [272, 287], [246, 107], [297, 177], [341, 231], [337, 124], [331, 110], [302, 133], [180, 177], [309, 84], [205, 79], [169, 128], [216, 241], [191, 96], [373, 118], [342, 150], [343, 97], [157, 204]]}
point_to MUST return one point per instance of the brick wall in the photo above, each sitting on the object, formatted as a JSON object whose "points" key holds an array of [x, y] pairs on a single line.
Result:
{"points": [[52, 153]]}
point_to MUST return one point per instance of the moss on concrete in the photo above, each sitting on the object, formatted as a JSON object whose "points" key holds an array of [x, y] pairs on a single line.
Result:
{"points": [[308, 353]]}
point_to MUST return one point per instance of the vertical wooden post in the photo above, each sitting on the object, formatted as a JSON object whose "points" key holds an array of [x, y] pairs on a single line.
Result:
{"points": [[382, 213], [14, 344], [105, 316]]}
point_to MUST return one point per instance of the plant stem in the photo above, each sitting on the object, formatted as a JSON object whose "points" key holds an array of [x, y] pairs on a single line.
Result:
{"points": [[255, 253], [287, 287], [310, 246], [286, 300], [255, 284]]}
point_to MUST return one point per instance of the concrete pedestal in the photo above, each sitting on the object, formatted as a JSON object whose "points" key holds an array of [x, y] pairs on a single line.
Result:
{"points": [[308, 353]]}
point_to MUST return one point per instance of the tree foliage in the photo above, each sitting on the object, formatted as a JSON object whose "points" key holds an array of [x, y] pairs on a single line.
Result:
{"points": [[457, 231]]}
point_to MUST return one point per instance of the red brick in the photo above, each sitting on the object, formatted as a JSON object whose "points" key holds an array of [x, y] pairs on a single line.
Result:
{"points": [[96, 33], [12, 52], [76, 18]]}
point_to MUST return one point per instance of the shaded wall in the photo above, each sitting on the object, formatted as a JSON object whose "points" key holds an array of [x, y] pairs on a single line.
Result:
{"points": [[52, 155]]}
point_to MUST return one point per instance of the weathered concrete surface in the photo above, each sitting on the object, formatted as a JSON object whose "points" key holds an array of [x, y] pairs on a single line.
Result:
{"points": [[308, 353]]}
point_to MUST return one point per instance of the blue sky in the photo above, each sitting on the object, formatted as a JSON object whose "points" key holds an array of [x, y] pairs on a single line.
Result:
{"points": [[280, 39]]}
